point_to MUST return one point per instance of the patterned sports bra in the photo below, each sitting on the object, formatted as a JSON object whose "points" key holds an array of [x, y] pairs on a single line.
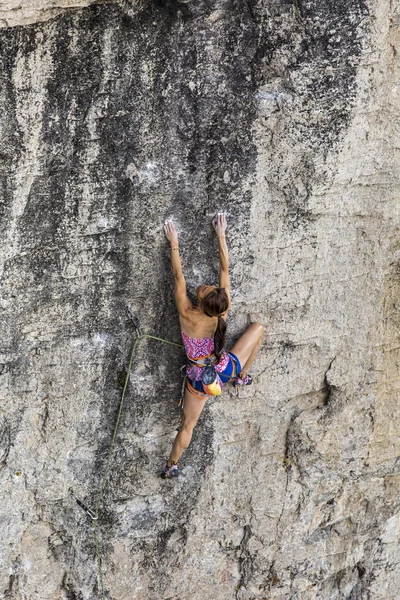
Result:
{"points": [[199, 347]]}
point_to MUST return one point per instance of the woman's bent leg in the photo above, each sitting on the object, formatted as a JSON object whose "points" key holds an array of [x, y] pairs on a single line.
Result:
{"points": [[192, 408], [248, 345]]}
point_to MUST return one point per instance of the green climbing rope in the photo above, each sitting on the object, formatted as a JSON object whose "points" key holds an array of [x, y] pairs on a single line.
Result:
{"points": [[100, 494]]}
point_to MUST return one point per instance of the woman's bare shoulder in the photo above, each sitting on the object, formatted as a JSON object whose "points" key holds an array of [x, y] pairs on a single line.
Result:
{"points": [[196, 326], [188, 321], [191, 316]]}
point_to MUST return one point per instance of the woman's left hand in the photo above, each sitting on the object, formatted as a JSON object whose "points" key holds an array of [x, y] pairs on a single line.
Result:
{"points": [[170, 232], [219, 224]]}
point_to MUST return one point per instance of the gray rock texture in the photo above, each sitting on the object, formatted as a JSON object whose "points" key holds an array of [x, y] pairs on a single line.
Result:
{"points": [[115, 116], [24, 12]]}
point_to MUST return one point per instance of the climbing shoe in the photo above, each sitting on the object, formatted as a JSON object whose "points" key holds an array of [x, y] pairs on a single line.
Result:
{"points": [[169, 472], [247, 380], [238, 382]]}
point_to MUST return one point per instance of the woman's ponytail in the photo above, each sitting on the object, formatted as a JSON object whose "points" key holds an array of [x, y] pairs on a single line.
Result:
{"points": [[214, 305], [219, 337]]}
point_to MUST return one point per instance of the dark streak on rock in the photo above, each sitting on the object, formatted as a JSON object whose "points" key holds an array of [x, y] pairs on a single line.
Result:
{"points": [[8, 593], [328, 388], [287, 461], [5, 443], [321, 43], [245, 561]]}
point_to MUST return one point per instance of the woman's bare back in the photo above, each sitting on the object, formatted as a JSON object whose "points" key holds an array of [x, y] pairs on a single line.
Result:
{"points": [[196, 324]]}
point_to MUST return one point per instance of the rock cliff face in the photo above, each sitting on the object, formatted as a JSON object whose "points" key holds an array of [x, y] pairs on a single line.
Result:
{"points": [[113, 117]]}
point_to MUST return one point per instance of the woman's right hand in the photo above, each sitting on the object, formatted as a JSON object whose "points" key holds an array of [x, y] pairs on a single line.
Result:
{"points": [[219, 224], [170, 232]]}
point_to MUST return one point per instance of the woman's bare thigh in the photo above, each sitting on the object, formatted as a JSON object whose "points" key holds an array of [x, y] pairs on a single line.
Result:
{"points": [[192, 408], [245, 344]]}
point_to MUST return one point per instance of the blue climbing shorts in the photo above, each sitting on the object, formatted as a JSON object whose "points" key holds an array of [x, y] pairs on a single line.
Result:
{"points": [[232, 370]]}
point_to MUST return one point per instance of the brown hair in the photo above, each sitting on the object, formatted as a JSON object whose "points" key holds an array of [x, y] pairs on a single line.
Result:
{"points": [[214, 305]]}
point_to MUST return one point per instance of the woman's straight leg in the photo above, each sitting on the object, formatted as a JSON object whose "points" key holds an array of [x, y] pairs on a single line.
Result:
{"points": [[192, 408]]}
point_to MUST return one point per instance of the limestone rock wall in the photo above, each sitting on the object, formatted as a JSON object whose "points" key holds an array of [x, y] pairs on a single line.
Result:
{"points": [[113, 117]]}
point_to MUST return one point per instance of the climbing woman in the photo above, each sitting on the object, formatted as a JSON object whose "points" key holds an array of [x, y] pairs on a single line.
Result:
{"points": [[203, 333]]}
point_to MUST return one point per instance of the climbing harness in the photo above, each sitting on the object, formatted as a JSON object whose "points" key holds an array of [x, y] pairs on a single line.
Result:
{"points": [[211, 382], [94, 514]]}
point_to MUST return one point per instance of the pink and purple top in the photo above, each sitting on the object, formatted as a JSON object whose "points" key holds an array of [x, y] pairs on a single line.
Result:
{"points": [[199, 347]]}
